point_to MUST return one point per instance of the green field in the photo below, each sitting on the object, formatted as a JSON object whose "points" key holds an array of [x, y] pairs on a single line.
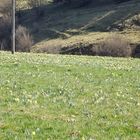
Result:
{"points": [[55, 97]]}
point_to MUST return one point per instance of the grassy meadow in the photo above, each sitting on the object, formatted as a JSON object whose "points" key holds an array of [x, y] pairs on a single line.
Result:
{"points": [[70, 97], [60, 97]]}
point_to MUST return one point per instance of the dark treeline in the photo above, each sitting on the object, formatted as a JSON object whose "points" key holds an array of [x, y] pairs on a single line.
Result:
{"points": [[89, 1], [73, 3]]}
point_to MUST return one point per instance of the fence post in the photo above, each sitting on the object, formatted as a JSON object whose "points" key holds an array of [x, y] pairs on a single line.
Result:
{"points": [[13, 26]]}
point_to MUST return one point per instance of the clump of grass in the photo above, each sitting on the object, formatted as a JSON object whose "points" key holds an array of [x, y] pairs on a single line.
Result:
{"points": [[115, 46], [23, 39]]}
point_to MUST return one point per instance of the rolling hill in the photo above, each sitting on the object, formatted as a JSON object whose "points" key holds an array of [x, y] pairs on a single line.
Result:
{"points": [[64, 27]]}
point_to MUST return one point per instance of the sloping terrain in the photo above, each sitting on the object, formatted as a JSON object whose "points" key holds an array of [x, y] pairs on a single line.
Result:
{"points": [[60, 97], [60, 26]]}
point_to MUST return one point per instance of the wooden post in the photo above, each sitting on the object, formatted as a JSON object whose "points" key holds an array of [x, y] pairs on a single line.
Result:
{"points": [[13, 26]]}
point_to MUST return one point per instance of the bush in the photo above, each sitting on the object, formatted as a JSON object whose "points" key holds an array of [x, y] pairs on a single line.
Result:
{"points": [[23, 40], [115, 46], [5, 24], [5, 6], [36, 3], [5, 32], [136, 20]]}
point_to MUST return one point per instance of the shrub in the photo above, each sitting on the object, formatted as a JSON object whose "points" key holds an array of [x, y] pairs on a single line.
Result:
{"points": [[5, 6], [36, 3], [136, 20], [5, 32], [115, 46], [23, 40], [5, 24]]}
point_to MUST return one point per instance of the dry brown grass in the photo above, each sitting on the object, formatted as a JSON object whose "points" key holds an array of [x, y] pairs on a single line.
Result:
{"points": [[116, 46], [23, 40]]}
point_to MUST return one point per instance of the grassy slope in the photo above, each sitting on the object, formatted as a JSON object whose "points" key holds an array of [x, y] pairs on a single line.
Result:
{"points": [[64, 27], [69, 97]]}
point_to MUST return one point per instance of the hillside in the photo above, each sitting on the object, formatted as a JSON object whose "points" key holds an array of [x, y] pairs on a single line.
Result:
{"points": [[59, 97], [61, 27]]}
